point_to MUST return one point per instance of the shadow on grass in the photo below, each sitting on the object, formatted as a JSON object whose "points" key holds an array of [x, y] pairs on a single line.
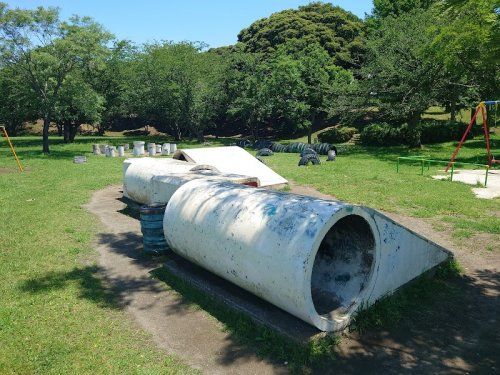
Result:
{"points": [[247, 336], [90, 285]]}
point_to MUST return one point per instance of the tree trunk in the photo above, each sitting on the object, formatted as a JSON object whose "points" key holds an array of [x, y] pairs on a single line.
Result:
{"points": [[59, 129], [45, 134], [200, 137], [101, 128], [414, 140], [310, 128], [72, 132], [453, 111], [12, 128], [66, 131]]}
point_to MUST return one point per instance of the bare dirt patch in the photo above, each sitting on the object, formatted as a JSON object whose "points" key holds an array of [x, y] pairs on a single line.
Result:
{"points": [[4, 170]]}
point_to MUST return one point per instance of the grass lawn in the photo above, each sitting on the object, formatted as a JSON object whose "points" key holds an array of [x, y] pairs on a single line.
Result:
{"points": [[368, 176], [68, 322]]}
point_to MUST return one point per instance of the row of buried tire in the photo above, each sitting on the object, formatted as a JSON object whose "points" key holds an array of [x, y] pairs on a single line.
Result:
{"points": [[295, 147]]}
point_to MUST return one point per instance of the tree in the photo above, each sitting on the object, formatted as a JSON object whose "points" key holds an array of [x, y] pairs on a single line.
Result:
{"points": [[16, 104], [395, 8], [286, 93], [339, 32], [209, 96], [177, 87], [45, 50], [250, 105], [467, 43], [78, 103], [399, 78], [108, 79]]}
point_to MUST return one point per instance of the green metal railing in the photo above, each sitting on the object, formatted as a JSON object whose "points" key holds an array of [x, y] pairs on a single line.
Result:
{"points": [[427, 161]]}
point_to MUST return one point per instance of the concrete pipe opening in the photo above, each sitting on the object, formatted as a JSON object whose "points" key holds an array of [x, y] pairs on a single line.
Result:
{"points": [[342, 267]]}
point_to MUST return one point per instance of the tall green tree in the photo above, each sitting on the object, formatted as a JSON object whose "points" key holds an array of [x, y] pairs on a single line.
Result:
{"points": [[247, 87], [109, 78], [385, 8], [399, 78], [16, 101], [177, 87], [45, 50], [466, 40], [77, 104], [339, 32]]}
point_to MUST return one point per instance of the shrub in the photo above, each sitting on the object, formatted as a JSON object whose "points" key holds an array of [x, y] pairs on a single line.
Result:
{"points": [[337, 135], [435, 131], [383, 134]]}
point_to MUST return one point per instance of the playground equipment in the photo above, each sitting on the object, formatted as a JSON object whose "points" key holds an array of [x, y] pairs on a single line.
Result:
{"points": [[4, 132], [320, 260], [425, 163], [481, 108]]}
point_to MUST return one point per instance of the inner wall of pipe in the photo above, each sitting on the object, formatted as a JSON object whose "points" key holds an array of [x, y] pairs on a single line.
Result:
{"points": [[342, 266]]}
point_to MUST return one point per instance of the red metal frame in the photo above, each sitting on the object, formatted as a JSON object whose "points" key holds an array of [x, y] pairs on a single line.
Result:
{"points": [[481, 107]]}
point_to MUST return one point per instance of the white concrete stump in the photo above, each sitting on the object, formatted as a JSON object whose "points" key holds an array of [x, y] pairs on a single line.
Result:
{"points": [[166, 149], [173, 148], [139, 148], [95, 149], [151, 149], [121, 151]]}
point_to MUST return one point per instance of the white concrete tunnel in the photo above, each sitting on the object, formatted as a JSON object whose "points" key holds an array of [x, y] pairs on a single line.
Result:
{"points": [[317, 259]]}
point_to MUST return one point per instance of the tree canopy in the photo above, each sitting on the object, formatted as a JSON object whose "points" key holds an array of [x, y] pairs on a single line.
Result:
{"points": [[339, 32], [291, 73]]}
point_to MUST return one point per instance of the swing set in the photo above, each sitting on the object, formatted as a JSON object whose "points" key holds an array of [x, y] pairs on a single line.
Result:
{"points": [[481, 108], [426, 161], [4, 133]]}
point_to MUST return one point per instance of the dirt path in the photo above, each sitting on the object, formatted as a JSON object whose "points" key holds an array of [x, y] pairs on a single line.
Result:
{"points": [[175, 326], [460, 336]]}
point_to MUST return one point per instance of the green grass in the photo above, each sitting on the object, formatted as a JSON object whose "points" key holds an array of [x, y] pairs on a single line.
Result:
{"points": [[56, 316], [368, 176], [425, 291]]}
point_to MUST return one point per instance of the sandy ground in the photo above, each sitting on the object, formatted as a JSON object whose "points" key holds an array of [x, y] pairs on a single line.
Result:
{"points": [[477, 177], [458, 338]]}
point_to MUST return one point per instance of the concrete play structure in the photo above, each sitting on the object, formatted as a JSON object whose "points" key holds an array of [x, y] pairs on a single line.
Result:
{"points": [[319, 260], [232, 159]]}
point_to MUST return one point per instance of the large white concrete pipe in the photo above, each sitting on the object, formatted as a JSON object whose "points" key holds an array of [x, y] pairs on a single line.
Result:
{"points": [[152, 181], [319, 260], [311, 257], [138, 174]]}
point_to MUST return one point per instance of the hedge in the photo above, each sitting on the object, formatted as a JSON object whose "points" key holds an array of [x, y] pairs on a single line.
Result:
{"points": [[337, 135]]}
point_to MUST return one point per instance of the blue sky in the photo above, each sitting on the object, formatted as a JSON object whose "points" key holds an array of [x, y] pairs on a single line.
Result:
{"points": [[216, 22]]}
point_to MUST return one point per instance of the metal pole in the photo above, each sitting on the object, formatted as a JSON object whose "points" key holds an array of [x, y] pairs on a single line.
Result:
{"points": [[452, 170], [12, 148], [486, 177]]}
